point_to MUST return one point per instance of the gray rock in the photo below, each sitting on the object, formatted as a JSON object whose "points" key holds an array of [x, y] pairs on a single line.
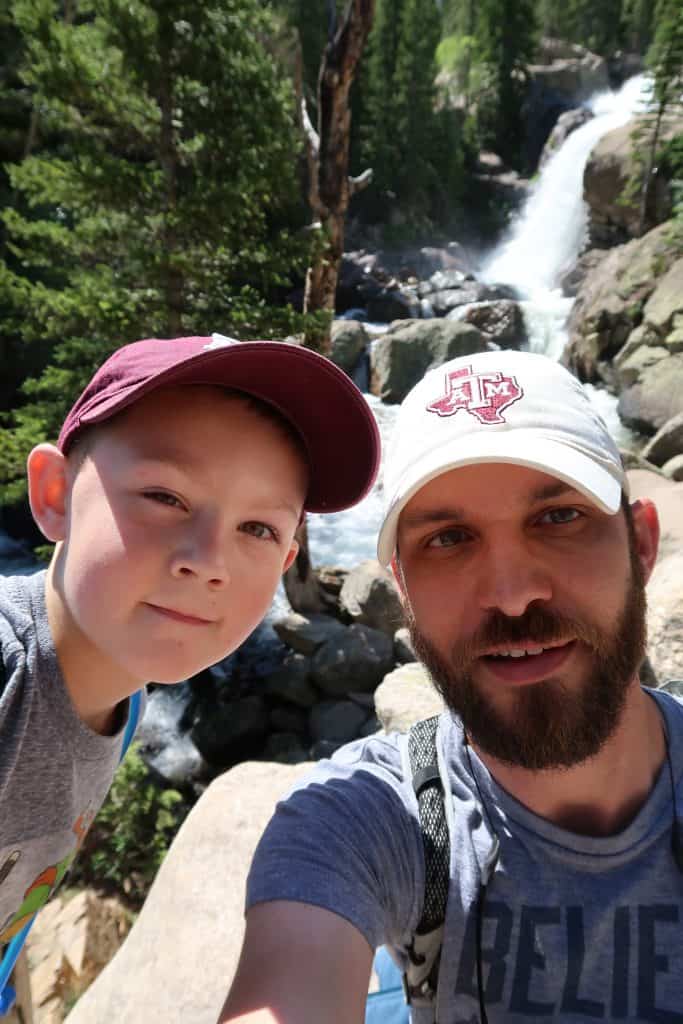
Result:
{"points": [[443, 302], [402, 356], [195, 907], [674, 468], [655, 398], [403, 646], [292, 682], [630, 369], [356, 661], [442, 280], [566, 123], [288, 719], [349, 341], [284, 748], [336, 720], [322, 749], [393, 304], [500, 320], [405, 696], [666, 301], [231, 731], [305, 633], [667, 442], [370, 596]]}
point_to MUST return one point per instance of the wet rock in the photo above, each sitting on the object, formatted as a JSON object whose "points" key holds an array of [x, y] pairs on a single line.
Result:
{"points": [[393, 304], [443, 302], [402, 356], [337, 721], [349, 342], [566, 124], [370, 596], [292, 682], [356, 661], [233, 732], [667, 442], [502, 322], [305, 633]]}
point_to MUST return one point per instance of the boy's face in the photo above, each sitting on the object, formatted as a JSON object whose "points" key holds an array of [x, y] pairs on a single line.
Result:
{"points": [[179, 522]]}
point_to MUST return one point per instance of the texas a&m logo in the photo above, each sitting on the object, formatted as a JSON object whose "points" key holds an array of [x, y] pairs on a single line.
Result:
{"points": [[484, 395]]}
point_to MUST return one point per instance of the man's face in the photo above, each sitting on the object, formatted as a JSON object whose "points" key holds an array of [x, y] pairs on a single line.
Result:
{"points": [[180, 521], [526, 604]]}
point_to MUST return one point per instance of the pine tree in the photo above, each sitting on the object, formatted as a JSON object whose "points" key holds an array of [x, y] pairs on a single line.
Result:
{"points": [[164, 207]]}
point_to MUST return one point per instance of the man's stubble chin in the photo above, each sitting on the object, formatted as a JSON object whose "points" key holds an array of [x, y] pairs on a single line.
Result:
{"points": [[545, 725]]}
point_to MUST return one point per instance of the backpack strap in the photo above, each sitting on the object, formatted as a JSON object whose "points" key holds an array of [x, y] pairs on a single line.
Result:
{"points": [[14, 947], [422, 975]]}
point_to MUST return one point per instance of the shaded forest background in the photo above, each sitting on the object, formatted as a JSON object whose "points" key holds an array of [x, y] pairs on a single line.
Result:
{"points": [[152, 169]]}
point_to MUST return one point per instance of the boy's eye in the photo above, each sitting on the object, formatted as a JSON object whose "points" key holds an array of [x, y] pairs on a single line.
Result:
{"points": [[259, 530], [558, 516], [447, 538], [164, 498]]}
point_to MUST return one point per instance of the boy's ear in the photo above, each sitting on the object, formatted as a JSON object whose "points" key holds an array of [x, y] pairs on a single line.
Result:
{"points": [[47, 490], [291, 555]]}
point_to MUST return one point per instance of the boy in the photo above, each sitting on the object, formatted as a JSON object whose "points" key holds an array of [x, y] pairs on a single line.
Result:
{"points": [[173, 495]]}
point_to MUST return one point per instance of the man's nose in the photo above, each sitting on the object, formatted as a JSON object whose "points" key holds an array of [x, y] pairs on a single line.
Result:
{"points": [[202, 552], [511, 577]]}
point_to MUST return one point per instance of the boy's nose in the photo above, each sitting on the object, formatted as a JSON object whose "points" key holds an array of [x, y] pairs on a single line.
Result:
{"points": [[511, 579], [202, 554]]}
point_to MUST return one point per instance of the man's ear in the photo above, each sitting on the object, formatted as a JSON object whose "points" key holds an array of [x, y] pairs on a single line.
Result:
{"points": [[47, 490], [291, 555], [398, 574], [646, 528]]}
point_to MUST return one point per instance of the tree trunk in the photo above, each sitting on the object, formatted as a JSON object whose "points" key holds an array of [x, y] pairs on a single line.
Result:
{"points": [[330, 189]]}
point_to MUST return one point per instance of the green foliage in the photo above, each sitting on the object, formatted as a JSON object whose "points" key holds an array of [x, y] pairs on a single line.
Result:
{"points": [[163, 199], [131, 834]]}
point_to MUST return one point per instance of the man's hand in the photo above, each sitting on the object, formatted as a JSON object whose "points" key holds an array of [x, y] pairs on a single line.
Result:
{"points": [[299, 964]]}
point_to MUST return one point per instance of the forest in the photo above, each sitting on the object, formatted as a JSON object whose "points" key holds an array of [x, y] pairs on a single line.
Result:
{"points": [[153, 175]]}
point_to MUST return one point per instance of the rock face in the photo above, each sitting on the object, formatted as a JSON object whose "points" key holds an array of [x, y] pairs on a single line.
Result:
{"points": [[349, 342], [664, 591], [403, 355], [179, 959], [610, 166], [406, 695], [611, 309]]}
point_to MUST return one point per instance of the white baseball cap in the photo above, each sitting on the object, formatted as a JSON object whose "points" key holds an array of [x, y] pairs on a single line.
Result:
{"points": [[507, 406]]}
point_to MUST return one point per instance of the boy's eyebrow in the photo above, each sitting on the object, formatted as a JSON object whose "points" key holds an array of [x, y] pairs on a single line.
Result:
{"points": [[444, 513]]}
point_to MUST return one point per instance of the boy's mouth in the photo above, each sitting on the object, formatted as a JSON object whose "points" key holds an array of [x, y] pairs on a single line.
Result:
{"points": [[178, 616]]}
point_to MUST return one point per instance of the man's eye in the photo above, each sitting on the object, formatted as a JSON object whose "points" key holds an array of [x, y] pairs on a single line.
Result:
{"points": [[259, 530], [558, 516], [447, 538], [164, 498]]}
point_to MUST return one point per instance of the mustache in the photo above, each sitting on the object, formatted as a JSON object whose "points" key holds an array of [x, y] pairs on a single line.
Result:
{"points": [[540, 624]]}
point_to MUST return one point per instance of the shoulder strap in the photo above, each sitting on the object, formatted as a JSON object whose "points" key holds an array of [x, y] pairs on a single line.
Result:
{"points": [[422, 975], [7, 993]]}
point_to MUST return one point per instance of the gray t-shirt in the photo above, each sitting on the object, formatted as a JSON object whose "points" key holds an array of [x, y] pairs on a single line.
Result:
{"points": [[575, 929], [54, 770]]}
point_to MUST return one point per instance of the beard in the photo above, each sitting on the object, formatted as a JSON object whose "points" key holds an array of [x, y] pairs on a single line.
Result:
{"points": [[548, 724]]}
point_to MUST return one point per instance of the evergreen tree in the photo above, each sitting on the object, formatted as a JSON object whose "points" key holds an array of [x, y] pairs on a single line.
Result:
{"points": [[506, 37], [164, 207]]}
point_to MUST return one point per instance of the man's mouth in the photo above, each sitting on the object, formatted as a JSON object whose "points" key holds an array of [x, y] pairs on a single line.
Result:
{"points": [[528, 662]]}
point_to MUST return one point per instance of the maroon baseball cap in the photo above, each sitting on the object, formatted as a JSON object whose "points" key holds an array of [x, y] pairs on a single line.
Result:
{"points": [[323, 405]]}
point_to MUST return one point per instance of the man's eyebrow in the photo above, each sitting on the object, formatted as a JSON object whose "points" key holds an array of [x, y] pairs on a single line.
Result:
{"points": [[431, 516], [557, 489]]}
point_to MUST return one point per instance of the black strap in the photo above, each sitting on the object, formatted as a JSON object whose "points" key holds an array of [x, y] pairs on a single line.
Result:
{"points": [[426, 779]]}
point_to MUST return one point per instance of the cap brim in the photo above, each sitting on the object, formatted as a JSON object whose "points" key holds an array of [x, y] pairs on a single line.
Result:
{"points": [[547, 455], [334, 420]]}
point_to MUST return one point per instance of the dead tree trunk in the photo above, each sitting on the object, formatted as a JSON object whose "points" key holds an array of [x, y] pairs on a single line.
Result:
{"points": [[330, 189]]}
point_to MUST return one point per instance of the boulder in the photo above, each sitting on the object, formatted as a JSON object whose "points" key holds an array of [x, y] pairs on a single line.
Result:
{"points": [[286, 718], [405, 696], [443, 302], [370, 596], [292, 681], [566, 123], [358, 660], [674, 468], [178, 961], [569, 71], [337, 721], [284, 748], [664, 309], [501, 321], [393, 303], [401, 357], [656, 398], [667, 442], [403, 646], [349, 342], [232, 732], [306, 633]]}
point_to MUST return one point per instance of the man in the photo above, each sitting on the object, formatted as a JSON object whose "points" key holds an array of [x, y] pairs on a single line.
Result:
{"points": [[522, 568]]}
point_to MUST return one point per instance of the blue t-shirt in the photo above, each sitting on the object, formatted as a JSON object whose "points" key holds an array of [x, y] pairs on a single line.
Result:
{"points": [[575, 928]]}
